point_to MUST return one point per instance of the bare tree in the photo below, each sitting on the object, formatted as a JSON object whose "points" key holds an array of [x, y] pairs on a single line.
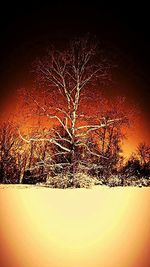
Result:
{"points": [[8, 165], [143, 152], [109, 138], [65, 79]]}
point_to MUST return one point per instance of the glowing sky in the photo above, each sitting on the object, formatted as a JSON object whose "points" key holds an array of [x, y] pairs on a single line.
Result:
{"points": [[136, 133]]}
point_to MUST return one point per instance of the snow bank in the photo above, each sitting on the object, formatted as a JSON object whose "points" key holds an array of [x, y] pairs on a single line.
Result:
{"points": [[43, 227]]}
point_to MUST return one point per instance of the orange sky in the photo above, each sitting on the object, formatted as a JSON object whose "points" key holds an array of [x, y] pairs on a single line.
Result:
{"points": [[138, 132]]}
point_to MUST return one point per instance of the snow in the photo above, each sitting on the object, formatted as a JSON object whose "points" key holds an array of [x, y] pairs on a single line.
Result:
{"points": [[102, 226]]}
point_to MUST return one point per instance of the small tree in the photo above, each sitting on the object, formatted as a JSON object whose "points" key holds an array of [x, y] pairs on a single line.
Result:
{"points": [[8, 164], [132, 167], [109, 137], [143, 152]]}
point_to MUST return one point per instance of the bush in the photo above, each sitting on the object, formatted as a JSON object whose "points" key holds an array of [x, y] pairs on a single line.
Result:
{"points": [[80, 180], [114, 180]]}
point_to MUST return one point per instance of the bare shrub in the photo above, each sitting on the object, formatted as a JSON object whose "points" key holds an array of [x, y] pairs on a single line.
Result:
{"points": [[80, 180]]}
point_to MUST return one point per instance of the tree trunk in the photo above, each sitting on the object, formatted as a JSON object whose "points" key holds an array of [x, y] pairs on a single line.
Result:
{"points": [[103, 143]]}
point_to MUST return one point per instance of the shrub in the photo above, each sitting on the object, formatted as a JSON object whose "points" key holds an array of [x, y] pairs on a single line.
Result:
{"points": [[80, 180], [114, 180]]}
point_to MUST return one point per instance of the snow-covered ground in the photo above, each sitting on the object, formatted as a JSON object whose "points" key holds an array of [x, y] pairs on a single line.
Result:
{"points": [[98, 227]]}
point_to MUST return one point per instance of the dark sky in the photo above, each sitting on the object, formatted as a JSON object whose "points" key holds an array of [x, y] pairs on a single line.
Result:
{"points": [[27, 29]]}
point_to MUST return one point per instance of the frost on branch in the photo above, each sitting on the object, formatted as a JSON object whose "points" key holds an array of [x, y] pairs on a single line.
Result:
{"points": [[68, 127]]}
